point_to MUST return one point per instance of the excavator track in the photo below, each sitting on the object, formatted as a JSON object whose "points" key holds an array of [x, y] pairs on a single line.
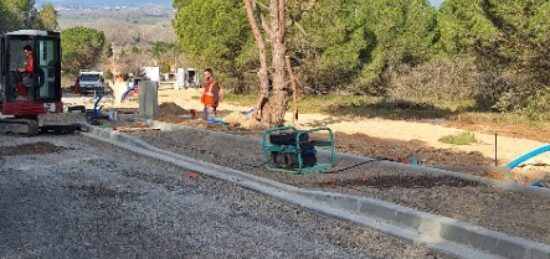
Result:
{"points": [[28, 127]]}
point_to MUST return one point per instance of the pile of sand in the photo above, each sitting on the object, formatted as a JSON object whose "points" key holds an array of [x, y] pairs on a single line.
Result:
{"points": [[237, 119], [171, 109]]}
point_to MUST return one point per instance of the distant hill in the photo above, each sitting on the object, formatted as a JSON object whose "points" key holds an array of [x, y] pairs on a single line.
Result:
{"points": [[85, 3]]}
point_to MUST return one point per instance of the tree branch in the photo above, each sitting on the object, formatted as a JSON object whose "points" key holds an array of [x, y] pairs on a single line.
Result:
{"points": [[282, 23], [310, 6], [264, 24], [260, 43]]}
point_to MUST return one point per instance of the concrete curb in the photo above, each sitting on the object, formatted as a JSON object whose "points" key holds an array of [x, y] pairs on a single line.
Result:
{"points": [[544, 192], [445, 234]]}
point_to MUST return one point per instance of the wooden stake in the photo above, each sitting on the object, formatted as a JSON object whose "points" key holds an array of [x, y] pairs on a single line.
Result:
{"points": [[496, 149], [294, 90]]}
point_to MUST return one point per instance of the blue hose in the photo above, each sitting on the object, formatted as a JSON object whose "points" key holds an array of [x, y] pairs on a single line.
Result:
{"points": [[538, 183], [528, 156], [214, 120]]}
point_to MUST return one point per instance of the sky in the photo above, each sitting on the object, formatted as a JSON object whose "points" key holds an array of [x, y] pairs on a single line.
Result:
{"points": [[436, 3]]}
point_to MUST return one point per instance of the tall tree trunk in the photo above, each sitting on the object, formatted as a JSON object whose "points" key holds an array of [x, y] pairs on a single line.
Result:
{"points": [[294, 90], [250, 6], [278, 27]]}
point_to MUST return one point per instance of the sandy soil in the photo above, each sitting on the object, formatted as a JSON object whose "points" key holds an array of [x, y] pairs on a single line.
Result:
{"points": [[405, 131], [71, 197]]}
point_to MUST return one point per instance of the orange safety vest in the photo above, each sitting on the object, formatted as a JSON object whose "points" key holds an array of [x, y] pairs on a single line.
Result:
{"points": [[211, 95], [29, 67]]}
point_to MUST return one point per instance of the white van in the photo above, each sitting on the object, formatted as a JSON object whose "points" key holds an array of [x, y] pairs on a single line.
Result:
{"points": [[91, 82]]}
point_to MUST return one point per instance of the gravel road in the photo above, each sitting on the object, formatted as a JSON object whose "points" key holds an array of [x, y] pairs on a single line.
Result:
{"points": [[71, 197], [515, 213]]}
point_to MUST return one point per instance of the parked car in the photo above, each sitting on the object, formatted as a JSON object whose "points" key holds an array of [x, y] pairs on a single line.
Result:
{"points": [[91, 82]]}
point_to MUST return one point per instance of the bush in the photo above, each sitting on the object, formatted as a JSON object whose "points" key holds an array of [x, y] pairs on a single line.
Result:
{"points": [[108, 75], [464, 138], [537, 106], [445, 78], [165, 68]]}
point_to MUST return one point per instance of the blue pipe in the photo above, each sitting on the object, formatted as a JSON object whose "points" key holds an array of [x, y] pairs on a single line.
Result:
{"points": [[214, 120], [528, 156], [538, 183]]}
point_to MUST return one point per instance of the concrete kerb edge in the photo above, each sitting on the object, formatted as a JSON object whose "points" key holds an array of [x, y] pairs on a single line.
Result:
{"points": [[428, 223], [352, 206], [128, 140], [292, 197], [545, 192]]}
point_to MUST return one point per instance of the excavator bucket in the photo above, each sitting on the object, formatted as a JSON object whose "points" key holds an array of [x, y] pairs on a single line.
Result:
{"points": [[61, 122]]}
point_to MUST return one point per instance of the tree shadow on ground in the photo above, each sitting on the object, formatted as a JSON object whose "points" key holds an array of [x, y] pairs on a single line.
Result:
{"points": [[391, 109]]}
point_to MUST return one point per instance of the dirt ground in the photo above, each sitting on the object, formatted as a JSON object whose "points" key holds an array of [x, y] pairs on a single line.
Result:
{"points": [[519, 214], [91, 200], [404, 151], [516, 131], [30, 149], [390, 139], [388, 149]]}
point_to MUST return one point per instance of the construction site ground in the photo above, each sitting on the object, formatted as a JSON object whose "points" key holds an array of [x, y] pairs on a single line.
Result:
{"points": [[70, 196], [515, 213], [397, 140]]}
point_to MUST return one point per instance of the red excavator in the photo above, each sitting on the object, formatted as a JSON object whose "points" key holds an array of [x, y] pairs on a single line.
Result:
{"points": [[30, 83]]}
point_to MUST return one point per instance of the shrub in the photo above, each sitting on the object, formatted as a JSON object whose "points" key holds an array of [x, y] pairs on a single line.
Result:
{"points": [[463, 138], [537, 106], [108, 75]]}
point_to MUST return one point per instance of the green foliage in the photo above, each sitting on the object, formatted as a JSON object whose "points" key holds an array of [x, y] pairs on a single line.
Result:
{"points": [[136, 50], [405, 29], [108, 50], [463, 24], [212, 33], [404, 32], [47, 18], [3, 17], [18, 14], [463, 138], [160, 49], [108, 75], [352, 42], [539, 23], [509, 39], [537, 105], [338, 44], [165, 68], [492, 51], [331, 56], [21, 14], [82, 48]]}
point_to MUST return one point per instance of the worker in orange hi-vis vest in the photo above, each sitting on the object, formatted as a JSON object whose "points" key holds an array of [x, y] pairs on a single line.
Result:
{"points": [[212, 95], [27, 74]]}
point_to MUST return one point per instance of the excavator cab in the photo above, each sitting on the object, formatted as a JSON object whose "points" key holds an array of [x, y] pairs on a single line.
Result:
{"points": [[30, 81], [31, 73]]}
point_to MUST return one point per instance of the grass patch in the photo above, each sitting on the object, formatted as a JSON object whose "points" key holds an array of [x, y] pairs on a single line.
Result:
{"points": [[240, 99], [463, 138]]}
